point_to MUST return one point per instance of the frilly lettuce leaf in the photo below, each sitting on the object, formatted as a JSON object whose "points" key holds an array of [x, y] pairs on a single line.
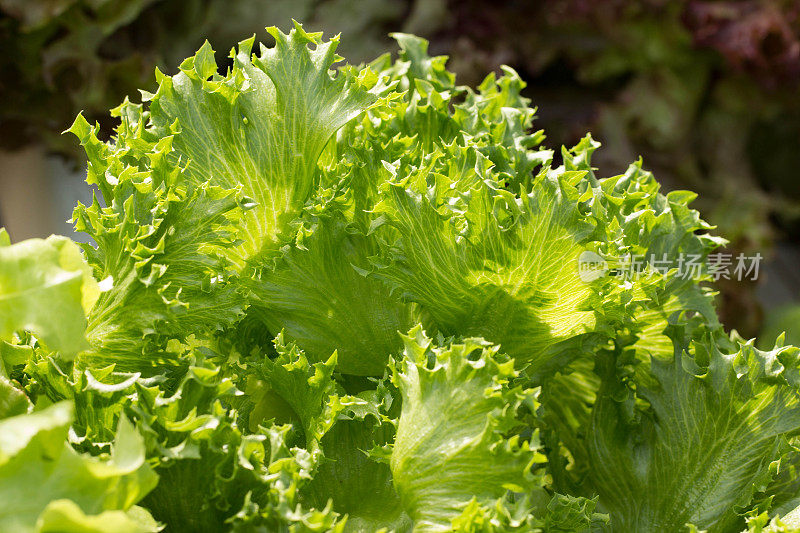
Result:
{"points": [[159, 246], [698, 435], [364, 489], [761, 522], [782, 495], [537, 515], [215, 468], [262, 127], [337, 429], [482, 262], [455, 439], [318, 293], [47, 486], [291, 389]]}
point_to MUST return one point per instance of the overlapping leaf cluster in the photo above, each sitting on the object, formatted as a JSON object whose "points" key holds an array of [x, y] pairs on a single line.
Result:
{"points": [[353, 300]]}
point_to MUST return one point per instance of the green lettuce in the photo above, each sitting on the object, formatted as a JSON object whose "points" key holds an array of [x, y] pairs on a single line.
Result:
{"points": [[46, 288], [356, 298], [455, 441], [47, 486]]}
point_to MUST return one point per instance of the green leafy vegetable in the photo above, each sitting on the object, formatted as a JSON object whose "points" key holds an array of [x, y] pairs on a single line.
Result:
{"points": [[47, 486], [357, 299], [713, 425], [451, 446], [45, 288]]}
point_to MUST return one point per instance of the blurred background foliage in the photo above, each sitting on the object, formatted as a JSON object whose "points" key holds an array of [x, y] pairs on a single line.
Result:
{"points": [[705, 91]]}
